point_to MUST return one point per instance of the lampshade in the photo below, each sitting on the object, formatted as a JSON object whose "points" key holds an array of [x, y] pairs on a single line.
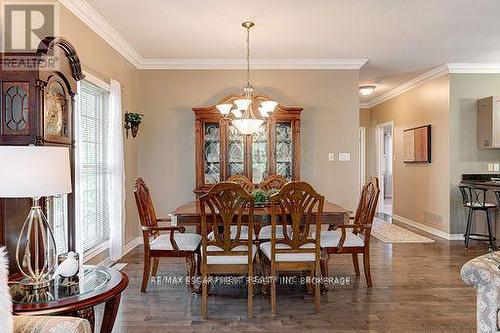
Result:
{"points": [[269, 106], [34, 171], [224, 108], [237, 113], [263, 112], [242, 104], [247, 125]]}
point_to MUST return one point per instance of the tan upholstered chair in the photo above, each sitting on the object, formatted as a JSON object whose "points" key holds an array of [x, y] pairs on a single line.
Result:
{"points": [[354, 238], [175, 243], [50, 324], [224, 209], [296, 207]]}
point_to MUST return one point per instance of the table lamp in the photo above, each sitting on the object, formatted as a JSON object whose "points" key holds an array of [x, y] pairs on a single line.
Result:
{"points": [[35, 172]]}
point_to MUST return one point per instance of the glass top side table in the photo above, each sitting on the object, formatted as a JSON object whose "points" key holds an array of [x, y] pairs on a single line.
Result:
{"points": [[92, 286]]}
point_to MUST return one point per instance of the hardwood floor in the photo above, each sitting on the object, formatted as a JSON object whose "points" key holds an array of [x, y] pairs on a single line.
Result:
{"points": [[417, 288]]}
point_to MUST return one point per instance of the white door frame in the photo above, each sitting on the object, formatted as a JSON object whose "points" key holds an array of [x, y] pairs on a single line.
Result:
{"points": [[379, 143], [362, 157]]}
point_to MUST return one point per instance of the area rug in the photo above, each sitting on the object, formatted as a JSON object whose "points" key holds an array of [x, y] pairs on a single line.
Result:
{"points": [[391, 233]]}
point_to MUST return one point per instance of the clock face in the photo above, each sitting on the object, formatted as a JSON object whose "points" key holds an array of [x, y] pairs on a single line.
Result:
{"points": [[56, 112]]}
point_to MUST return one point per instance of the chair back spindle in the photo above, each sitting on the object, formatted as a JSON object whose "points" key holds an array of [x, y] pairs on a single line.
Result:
{"points": [[243, 181], [147, 214], [367, 206], [477, 196], [273, 182]]}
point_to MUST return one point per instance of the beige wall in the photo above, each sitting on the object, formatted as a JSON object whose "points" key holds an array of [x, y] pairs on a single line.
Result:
{"points": [[364, 117], [96, 55], [465, 156], [421, 191], [329, 124], [101, 59]]}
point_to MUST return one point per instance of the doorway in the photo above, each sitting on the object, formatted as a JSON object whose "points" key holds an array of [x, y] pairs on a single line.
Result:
{"points": [[362, 156], [385, 159]]}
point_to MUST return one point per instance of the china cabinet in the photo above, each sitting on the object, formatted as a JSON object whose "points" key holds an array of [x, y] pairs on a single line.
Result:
{"points": [[222, 152], [36, 107]]}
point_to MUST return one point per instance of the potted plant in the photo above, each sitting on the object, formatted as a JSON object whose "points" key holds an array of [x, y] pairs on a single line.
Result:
{"points": [[132, 121]]}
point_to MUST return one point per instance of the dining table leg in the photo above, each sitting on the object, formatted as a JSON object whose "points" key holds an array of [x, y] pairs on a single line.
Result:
{"points": [[110, 312]]}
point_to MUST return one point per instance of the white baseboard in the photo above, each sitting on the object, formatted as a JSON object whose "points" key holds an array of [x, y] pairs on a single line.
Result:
{"points": [[106, 262], [132, 245], [126, 249], [428, 229]]}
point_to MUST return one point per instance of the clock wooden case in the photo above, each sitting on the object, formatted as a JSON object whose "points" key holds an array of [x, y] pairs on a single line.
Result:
{"points": [[221, 151], [37, 103]]}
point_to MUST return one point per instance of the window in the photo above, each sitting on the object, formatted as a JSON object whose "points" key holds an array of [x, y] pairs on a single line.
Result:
{"points": [[94, 170], [57, 212]]}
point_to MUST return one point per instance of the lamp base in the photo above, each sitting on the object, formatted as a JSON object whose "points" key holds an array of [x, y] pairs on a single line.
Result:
{"points": [[27, 284], [36, 250]]}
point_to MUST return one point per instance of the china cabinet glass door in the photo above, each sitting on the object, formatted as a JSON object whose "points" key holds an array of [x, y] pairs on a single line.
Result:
{"points": [[259, 155], [284, 150], [211, 145], [236, 152]]}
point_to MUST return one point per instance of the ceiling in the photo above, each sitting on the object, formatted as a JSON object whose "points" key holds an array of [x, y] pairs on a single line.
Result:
{"points": [[401, 39]]}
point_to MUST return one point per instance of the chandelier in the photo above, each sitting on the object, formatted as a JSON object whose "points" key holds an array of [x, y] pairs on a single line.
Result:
{"points": [[242, 111]]}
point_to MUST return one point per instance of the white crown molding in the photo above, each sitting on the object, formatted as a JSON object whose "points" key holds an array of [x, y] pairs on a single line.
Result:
{"points": [[449, 68], [474, 68], [413, 83], [305, 64], [100, 26]]}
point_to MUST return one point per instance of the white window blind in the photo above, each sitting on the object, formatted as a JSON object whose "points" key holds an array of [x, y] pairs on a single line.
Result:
{"points": [[57, 212], [94, 165]]}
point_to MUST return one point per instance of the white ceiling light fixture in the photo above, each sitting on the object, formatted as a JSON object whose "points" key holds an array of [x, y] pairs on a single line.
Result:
{"points": [[367, 90], [245, 119]]}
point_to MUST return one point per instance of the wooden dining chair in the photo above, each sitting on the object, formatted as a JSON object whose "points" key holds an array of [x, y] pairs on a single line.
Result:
{"points": [[272, 182], [175, 243], [243, 181], [224, 210], [354, 238], [296, 207]]}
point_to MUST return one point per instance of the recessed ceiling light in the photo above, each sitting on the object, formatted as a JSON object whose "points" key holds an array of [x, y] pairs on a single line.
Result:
{"points": [[366, 90]]}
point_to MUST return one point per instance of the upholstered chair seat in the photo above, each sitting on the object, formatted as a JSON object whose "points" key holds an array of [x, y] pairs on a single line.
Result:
{"points": [[52, 324], [185, 242], [332, 239], [288, 257], [229, 260], [265, 232]]}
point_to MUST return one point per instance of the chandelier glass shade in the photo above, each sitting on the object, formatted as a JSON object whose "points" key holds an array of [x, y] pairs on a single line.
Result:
{"points": [[245, 119]]}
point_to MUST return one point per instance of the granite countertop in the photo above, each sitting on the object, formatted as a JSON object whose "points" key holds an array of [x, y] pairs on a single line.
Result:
{"points": [[481, 180], [482, 183]]}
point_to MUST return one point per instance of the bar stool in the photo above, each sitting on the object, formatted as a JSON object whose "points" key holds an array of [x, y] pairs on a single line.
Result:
{"points": [[474, 199]]}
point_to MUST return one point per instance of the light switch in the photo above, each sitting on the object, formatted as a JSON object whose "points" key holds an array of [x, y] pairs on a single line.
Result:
{"points": [[490, 166], [344, 157], [496, 167], [331, 157]]}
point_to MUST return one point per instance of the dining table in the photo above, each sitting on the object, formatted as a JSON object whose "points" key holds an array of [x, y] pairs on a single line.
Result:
{"points": [[189, 214]]}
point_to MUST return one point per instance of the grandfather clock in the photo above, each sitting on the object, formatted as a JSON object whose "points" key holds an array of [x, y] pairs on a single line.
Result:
{"points": [[37, 102]]}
